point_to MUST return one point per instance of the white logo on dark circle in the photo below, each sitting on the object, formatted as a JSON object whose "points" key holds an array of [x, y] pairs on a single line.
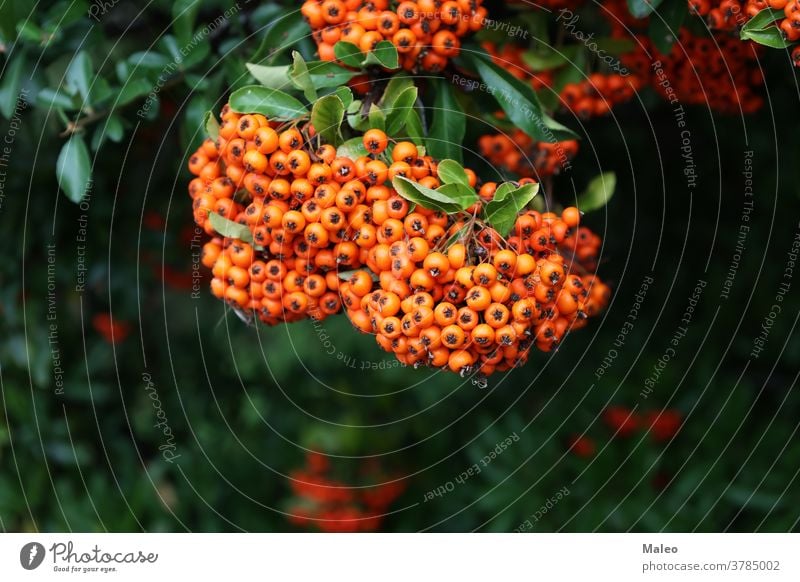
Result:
{"points": [[31, 555]]}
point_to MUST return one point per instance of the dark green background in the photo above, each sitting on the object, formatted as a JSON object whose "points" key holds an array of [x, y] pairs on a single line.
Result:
{"points": [[245, 403]]}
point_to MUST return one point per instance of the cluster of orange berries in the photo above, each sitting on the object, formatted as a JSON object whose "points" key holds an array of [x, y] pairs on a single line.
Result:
{"points": [[300, 207], [331, 505], [519, 153], [480, 307], [719, 72], [316, 219], [596, 95], [426, 33], [731, 14]]}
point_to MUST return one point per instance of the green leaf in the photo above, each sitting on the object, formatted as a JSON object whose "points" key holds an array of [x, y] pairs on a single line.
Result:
{"points": [[520, 103], [10, 85], [73, 168], [762, 20], [272, 77], [114, 129], [426, 197], [345, 94], [79, 75], [550, 58], [211, 125], [598, 192], [384, 54], [184, 13], [272, 103], [666, 22], [771, 37], [325, 74], [229, 228], [509, 200], [399, 109], [352, 148], [148, 60], [642, 8], [300, 77], [348, 53], [327, 115], [28, 30], [463, 195], [132, 90], [281, 36], [448, 125], [47, 98], [451, 172], [414, 128], [377, 118], [396, 85], [759, 29]]}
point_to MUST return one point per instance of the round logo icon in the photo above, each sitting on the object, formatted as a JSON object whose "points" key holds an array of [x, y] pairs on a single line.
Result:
{"points": [[31, 555]]}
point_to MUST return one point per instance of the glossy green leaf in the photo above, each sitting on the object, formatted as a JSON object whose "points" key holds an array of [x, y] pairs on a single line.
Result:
{"points": [[550, 58], [272, 77], [384, 54], [345, 94], [451, 172], [326, 116], [132, 90], [272, 103], [281, 36], [426, 197], [414, 129], [325, 74], [449, 123], [348, 53], [79, 75], [300, 77], [229, 228], [73, 168], [598, 192], [184, 13], [463, 195], [377, 118], [762, 20], [399, 109], [396, 85], [509, 200], [520, 103]]}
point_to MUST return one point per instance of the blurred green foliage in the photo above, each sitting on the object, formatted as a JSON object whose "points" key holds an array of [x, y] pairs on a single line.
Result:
{"points": [[244, 404]]}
